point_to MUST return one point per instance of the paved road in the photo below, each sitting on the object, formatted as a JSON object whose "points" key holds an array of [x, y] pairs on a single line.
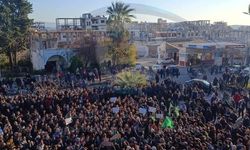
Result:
{"points": [[147, 61], [184, 76]]}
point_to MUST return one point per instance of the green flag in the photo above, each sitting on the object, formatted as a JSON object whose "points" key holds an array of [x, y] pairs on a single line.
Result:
{"points": [[168, 123]]}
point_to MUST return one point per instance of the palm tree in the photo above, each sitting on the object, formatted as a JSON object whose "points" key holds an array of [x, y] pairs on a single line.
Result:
{"points": [[119, 14]]}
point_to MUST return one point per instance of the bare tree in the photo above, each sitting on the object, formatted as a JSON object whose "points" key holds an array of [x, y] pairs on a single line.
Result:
{"points": [[86, 49]]}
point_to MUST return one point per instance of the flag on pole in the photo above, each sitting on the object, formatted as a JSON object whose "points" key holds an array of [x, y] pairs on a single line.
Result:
{"points": [[168, 123], [177, 111], [169, 109]]}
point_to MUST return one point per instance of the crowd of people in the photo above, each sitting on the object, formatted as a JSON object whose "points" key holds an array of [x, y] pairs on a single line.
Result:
{"points": [[81, 77], [86, 117], [237, 79], [166, 72]]}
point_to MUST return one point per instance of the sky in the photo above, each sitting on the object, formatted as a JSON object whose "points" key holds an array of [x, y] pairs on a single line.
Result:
{"points": [[215, 10]]}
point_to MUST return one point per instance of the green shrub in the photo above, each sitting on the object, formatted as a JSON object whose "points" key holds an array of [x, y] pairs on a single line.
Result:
{"points": [[75, 63], [130, 79]]}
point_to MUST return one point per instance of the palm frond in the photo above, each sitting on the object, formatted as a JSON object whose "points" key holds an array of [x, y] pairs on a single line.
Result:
{"points": [[130, 79], [118, 11]]}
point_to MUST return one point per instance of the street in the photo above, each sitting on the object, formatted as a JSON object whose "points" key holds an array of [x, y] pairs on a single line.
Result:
{"points": [[184, 76]]}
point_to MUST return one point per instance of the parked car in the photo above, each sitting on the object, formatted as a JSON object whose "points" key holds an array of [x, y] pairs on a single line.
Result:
{"points": [[165, 61], [246, 71], [205, 85], [157, 67], [235, 69]]}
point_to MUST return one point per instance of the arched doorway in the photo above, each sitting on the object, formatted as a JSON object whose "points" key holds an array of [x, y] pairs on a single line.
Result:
{"points": [[55, 63]]}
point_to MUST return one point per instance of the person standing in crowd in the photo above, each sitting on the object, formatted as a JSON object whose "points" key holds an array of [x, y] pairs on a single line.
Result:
{"points": [[214, 107], [167, 115], [215, 82], [237, 98], [95, 71], [161, 73], [165, 71], [246, 80], [247, 100], [177, 73], [241, 107], [99, 74], [212, 70], [157, 78]]}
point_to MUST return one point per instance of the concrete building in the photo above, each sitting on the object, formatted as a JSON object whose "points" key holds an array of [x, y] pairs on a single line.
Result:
{"points": [[220, 53], [156, 40], [85, 22], [184, 31], [51, 59], [163, 31], [157, 49], [40, 26], [152, 49], [144, 31], [188, 31], [55, 48], [172, 51]]}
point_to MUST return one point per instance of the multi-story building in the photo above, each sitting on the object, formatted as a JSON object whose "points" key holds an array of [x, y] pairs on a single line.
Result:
{"points": [[86, 22], [152, 38], [145, 31], [187, 30], [53, 49], [213, 53], [38, 26]]}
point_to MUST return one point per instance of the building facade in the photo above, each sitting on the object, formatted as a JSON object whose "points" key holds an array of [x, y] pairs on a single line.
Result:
{"points": [[156, 40], [221, 53], [85, 22], [55, 48]]}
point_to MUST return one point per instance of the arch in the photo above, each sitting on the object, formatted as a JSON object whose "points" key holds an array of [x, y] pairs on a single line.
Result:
{"points": [[145, 10], [41, 57], [55, 63]]}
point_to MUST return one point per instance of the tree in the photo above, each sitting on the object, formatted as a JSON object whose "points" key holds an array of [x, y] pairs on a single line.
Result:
{"points": [[119, 15], [3, 61], [86, 48], [118, 52], [75, 63], [132, 54], [14, 27], [130, 79]]}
